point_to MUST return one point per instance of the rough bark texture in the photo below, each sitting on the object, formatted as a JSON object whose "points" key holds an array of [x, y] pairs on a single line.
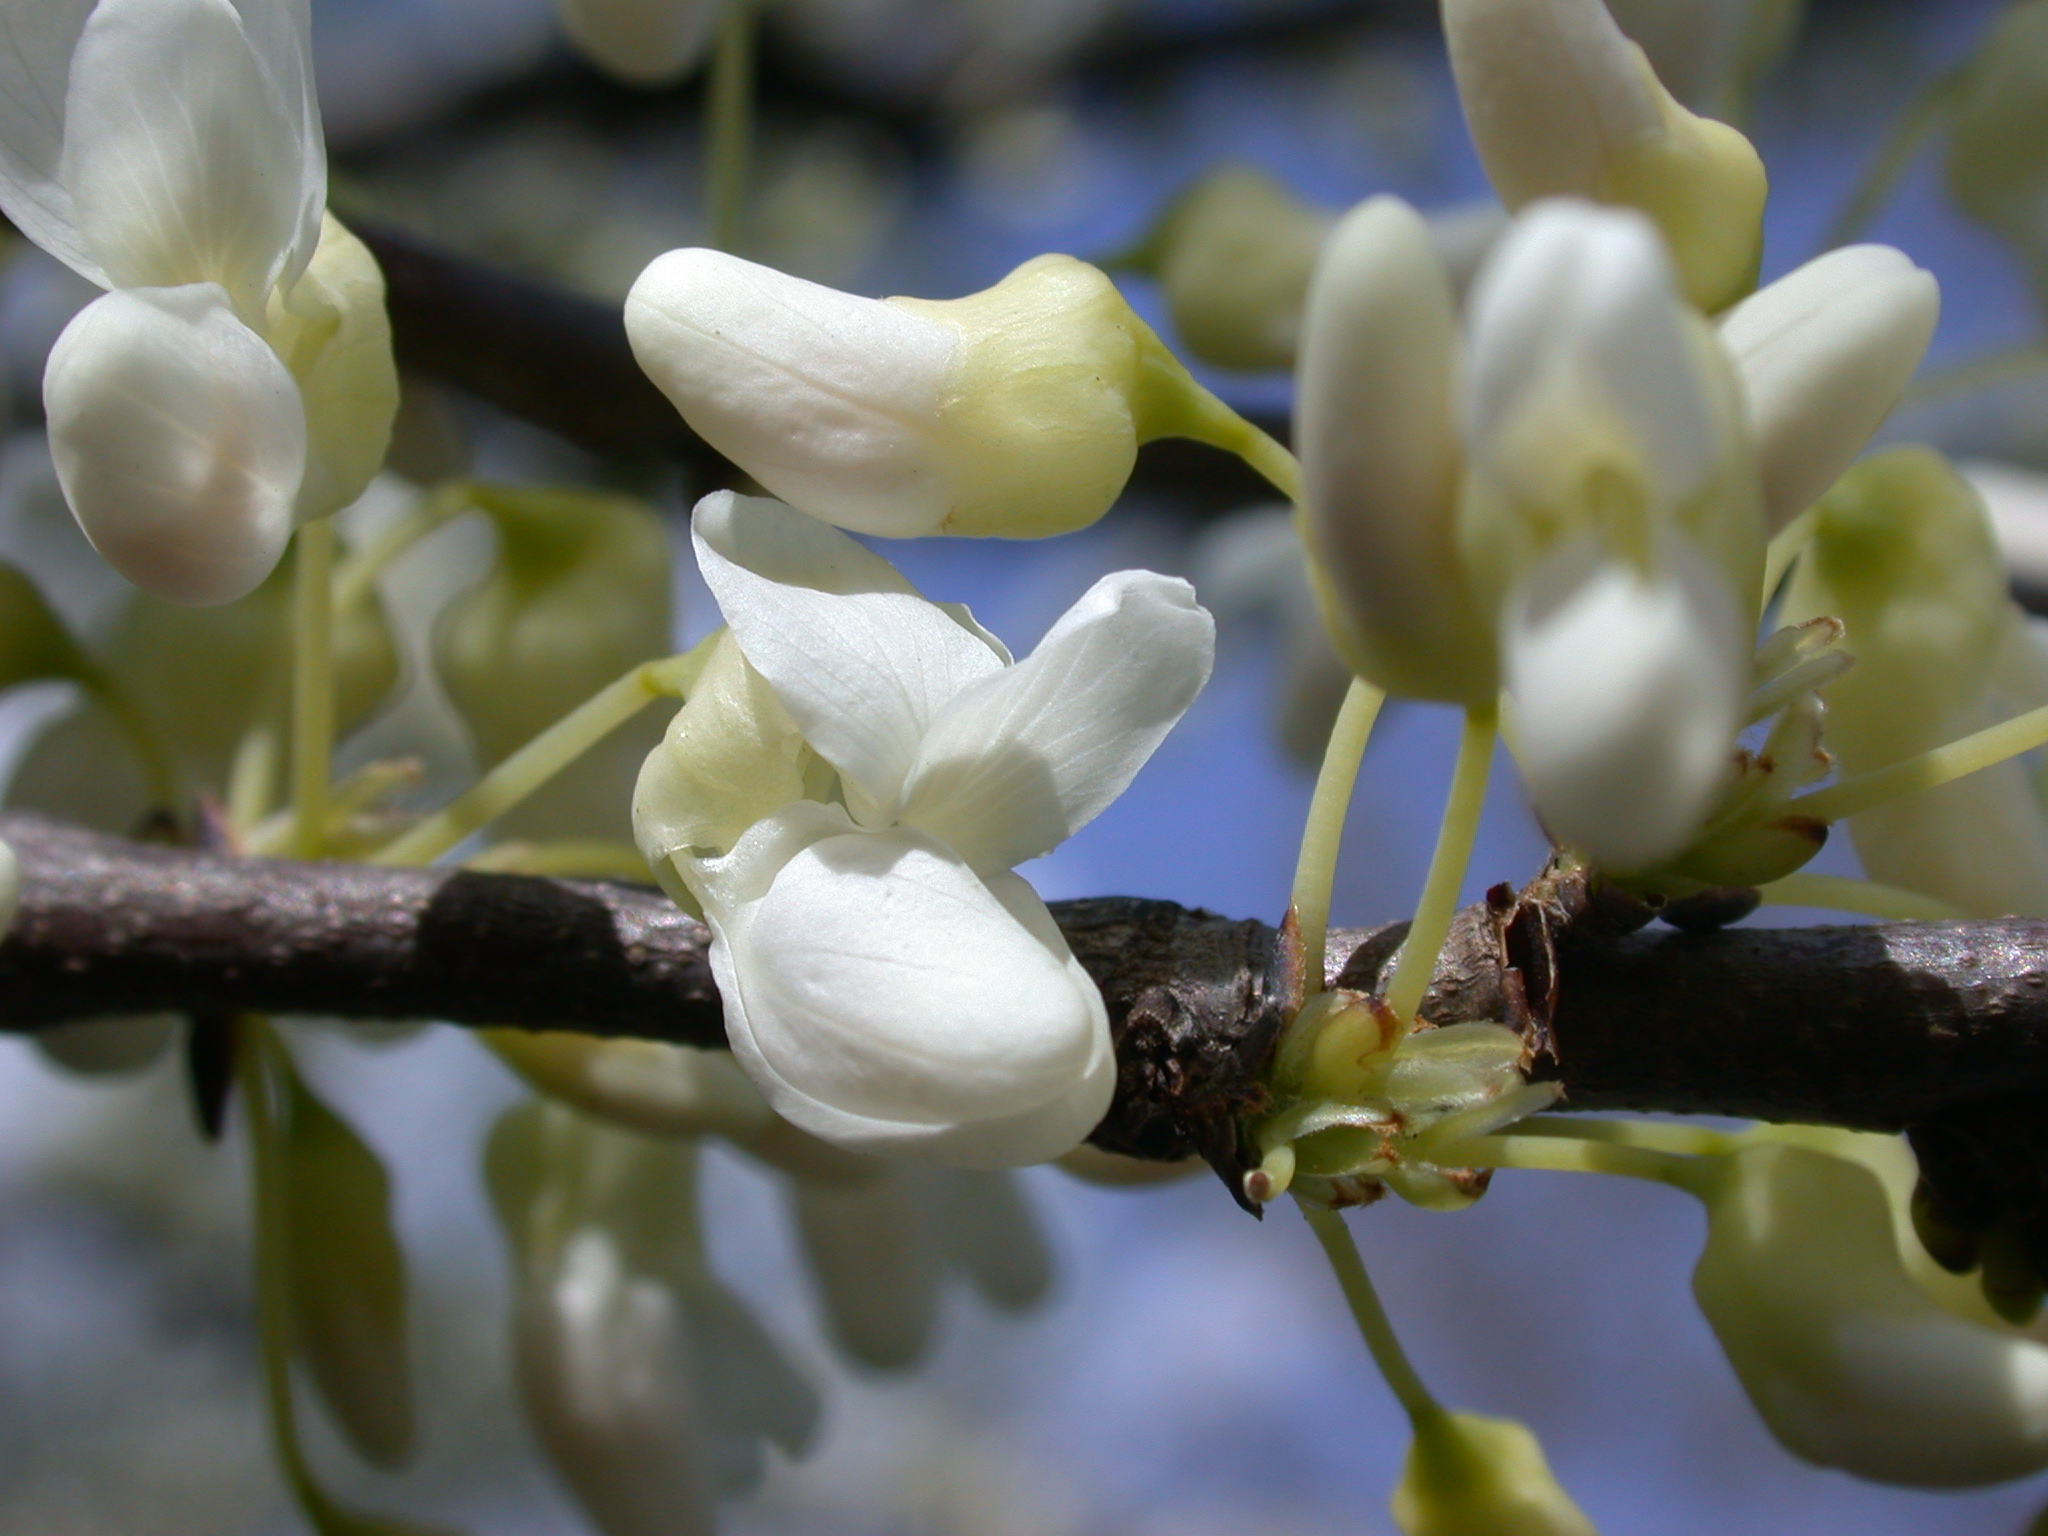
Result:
{"points": [[1883, 1027]]}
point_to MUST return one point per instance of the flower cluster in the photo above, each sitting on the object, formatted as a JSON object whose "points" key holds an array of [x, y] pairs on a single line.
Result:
{"points": [[236, 379]]}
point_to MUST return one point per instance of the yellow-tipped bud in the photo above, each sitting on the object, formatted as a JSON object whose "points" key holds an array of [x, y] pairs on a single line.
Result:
{"points": [[1561, 103], [1014, 412]]}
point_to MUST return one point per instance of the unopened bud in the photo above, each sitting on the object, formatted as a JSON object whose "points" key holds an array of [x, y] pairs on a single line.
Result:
{"points": [[1561, 103], [1016, 411], [642, 42]]}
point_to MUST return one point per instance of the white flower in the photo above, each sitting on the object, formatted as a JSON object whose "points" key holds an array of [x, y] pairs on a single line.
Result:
{"points": [[1560, 103], [238, 378], [643, 42], [889, 983], [1848, 1361], [649, 1385], [1824, 354], [1017, 411]]}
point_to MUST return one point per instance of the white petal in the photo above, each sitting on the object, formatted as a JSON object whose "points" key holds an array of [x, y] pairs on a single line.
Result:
{"points": [[1589, 293], [1824, 354], [179, 441], [1627, 694], [861, 662], [183, 162], [1380, 456], [874, 1263], [1018, 762], [36, 42], [643, 42], [830, 401], [887, 999], [1551, 89], [602, 1357], [1846, 1359], [281, 33]]}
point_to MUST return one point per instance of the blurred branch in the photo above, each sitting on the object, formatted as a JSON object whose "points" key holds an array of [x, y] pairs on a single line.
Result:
{"points": [[1879, 1027], [561, 361]]}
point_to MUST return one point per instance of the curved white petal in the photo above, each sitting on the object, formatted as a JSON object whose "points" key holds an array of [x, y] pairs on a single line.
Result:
{"points": [[37, 38], [829, 400], [1627, 693], [1015, 764], [1588, 295], [875, 1265], [1380, 456], [281, 33], [886, 998], [183, 162], [643, 42], [1824, 354], [860, 661], [179, 440], [1847, 1360]]}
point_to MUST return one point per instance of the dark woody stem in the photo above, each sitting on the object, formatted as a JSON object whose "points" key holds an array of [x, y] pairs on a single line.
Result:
{"points": [[1880, 1027]]}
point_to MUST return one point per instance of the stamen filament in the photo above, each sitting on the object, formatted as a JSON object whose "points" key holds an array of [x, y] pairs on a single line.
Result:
{"points": [[1895, 156], [353, 577], [1371, 1317], [1315, 871], [1928, 770], [312, 684], [542, 758], [729, 126], [1454, 839], [1551, 1152]]}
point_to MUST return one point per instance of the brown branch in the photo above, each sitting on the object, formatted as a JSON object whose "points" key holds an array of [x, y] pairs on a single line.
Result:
{"points": [[1879, 1027]]}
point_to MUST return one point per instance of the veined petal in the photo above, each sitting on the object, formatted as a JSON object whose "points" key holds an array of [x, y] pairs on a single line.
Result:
{"points": [[37, 38], [1627, 692], [179, 440], [1381, 461], [886, 998], [1015, 764], [643, 42], [827, 399], [183, 163], [860, 661], [1588, 295], [281, 33], [1824, 354]]}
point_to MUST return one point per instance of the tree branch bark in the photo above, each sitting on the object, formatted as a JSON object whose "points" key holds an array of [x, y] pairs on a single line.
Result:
{"points": [[1880, 1027]]}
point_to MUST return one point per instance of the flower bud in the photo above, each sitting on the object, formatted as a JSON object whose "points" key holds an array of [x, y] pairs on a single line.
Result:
{"points": [[1997, 161], [579, 595], [331, 331], [1711, 54], [648, 1384], [109, 1047], [1016, 411], [347, 1278], [1847, 1361], [642, 42], [1471, 1476], [1381, 460], [1824, 354], [1904, 555], [1559, 102], [1233, 257], [876, 1267], [179, 439]]}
